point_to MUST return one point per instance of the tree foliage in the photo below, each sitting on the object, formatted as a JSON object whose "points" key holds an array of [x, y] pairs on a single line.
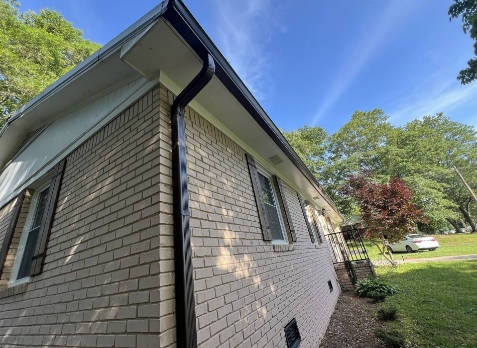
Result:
{"points": [[386, 209], [35, 50], [422, 153], [358, 145], [468, 10], [310, 143]]}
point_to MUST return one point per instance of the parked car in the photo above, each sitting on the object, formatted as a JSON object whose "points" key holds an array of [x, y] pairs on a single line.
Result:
{"points": [[461, 230], [451, 231], [414, 242], [445, 232]]}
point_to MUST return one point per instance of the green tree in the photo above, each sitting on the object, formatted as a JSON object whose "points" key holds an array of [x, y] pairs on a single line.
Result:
{"points": [[468, 10], [310, 143], [35, 50], [422, 153], [363, 143], [430, 148]]}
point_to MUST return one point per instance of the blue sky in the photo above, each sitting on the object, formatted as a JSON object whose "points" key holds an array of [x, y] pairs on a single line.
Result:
{"points": [[311, 62]]}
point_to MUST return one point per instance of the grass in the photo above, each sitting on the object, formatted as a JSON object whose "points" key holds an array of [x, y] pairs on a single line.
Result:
{"points": [[425, 324], [450, 245]]}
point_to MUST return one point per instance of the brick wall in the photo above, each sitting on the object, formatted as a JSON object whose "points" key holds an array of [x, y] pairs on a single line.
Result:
{"points": [[245, 291], [108, 279], [363, 269], [100, 284]]}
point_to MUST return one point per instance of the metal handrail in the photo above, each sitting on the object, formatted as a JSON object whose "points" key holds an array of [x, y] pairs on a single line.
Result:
{"points": [[347, 246]]}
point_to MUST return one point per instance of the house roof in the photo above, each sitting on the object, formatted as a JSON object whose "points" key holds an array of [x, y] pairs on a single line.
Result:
{"points": [[134, 46], [353, 220]]}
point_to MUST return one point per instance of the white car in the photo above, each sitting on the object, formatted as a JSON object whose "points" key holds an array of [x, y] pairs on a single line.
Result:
{"points": [[414, 242]]}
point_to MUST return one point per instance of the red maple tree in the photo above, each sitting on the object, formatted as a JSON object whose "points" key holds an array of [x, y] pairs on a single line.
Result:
{"points": [[386, 209]]}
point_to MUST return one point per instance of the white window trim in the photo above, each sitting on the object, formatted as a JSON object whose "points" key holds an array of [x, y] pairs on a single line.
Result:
{"points": [[265, 172], [23, 239]]}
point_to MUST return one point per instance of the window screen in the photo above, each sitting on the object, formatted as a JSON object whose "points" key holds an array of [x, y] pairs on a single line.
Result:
{"points": [[271, 207]]}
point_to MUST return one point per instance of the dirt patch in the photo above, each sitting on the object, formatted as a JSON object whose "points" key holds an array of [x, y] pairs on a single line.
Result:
{"points": [[352, 324]]}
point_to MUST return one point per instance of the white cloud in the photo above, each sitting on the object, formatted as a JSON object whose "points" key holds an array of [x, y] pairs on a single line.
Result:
{"points": [[391, 18], [442, 98], [245, 28]]}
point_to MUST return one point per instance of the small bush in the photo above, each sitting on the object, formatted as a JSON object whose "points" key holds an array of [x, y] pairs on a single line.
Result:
{"points": [[392, 338], [387, 313], [377, 296], [375, 288]]}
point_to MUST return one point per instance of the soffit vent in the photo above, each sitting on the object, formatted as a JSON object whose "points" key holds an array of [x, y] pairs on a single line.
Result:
{"points": [[276, 159], [292, 334]]}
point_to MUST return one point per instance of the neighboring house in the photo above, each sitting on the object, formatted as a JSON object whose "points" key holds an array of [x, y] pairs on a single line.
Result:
{"points": [[129, 221]]}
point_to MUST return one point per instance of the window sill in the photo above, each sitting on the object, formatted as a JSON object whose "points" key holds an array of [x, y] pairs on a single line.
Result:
{"points": [[14, 290], [283, 247]]}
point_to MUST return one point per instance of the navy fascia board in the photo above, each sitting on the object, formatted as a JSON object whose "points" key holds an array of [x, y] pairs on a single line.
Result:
{"points": [[91, 61], [187, 26]]}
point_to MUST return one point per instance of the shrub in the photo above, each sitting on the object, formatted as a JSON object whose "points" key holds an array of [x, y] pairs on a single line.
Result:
{"points": [[392, 338], [387, 313], [375, 288], [376, 296]]}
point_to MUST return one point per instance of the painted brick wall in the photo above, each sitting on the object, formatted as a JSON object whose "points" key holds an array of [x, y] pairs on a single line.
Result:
{"points": [[100, 284], [245, 291], [108, 279]]}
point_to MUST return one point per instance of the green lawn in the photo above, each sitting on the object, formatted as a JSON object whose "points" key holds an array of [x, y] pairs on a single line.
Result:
{"points": [[453, 284], [453, 244]]}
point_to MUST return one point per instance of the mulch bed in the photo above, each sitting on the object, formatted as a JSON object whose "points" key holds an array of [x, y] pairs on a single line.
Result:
{"points": [[353, 324]]}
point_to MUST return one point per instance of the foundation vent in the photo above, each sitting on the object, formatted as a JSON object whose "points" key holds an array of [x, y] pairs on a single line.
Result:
{"points": [[330, 285], [292, 334]]}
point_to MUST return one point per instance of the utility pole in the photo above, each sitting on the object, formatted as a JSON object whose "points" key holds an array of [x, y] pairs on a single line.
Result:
{"points": [[465, 183]]}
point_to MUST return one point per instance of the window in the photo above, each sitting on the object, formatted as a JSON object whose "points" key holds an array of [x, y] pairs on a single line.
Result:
{"points": [[29, 237], [269, 195], [272, 208], [22, 253], [311, 219]]}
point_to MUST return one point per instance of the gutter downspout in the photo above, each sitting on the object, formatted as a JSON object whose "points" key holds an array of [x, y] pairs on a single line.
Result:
{"points": [[184, 275]]}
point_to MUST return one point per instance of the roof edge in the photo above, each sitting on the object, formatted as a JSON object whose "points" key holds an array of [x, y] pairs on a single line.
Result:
{"points": [[188, 27], [89, 62]]}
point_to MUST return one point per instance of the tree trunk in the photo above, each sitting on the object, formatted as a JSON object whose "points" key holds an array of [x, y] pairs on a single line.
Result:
{"points": [[467, 217], [383, 252], [453, 223]]}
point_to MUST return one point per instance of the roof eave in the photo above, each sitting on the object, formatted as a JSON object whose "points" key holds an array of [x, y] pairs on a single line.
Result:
{"points": [[188, 27]]}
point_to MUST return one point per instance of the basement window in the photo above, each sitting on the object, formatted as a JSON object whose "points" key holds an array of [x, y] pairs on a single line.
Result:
{"points": [[292, 334]]}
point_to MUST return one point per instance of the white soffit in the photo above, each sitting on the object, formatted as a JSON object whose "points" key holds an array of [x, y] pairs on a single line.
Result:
{"points": [[162, 51], [92, 84]]}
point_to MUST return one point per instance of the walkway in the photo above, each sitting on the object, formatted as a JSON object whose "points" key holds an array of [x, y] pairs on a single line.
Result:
{"points": [[442, 258]]}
